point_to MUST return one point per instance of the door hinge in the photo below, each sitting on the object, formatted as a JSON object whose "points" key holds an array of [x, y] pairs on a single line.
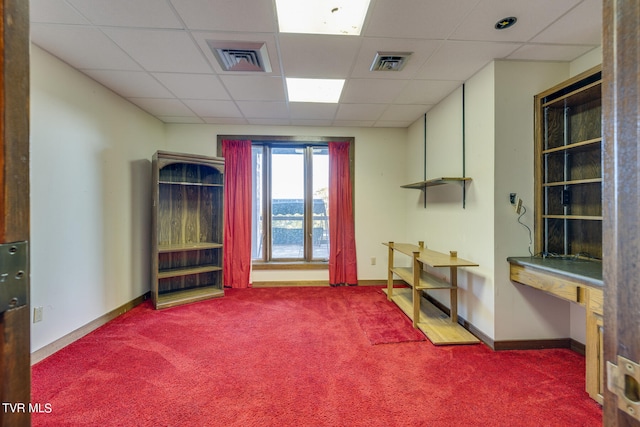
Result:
{"points": [[14, 276], [623, 380]]}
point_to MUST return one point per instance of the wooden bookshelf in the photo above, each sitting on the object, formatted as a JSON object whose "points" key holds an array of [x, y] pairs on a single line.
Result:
{"points": [[187, 296], [187, 228]]}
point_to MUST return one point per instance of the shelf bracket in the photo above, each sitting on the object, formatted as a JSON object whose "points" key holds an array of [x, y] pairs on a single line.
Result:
{"points": [[422, 185], [464, 133]]}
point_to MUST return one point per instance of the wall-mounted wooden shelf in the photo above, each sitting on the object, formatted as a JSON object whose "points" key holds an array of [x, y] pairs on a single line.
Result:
{"points": [[422, 185], [435, 181]]}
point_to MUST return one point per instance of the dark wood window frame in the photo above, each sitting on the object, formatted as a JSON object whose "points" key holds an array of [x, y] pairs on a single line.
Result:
{"points": [[301, 141], [568, 171]]}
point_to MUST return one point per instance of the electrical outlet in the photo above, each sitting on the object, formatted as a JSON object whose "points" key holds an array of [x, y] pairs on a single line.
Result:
{"points": [[518, 206], [373, 260], [37, 314]]}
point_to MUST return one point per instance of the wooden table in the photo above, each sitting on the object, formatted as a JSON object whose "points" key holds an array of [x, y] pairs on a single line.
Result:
{"points": [[437, 326]]}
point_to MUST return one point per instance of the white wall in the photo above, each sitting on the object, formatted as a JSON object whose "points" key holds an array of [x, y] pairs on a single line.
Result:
{"points": [[586, 61], [379, 172], [90, 193], [521, 311], [499, 159], [444, 224], [478, 293]]}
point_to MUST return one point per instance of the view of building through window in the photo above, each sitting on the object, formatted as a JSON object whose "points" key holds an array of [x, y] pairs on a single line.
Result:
{"points": [[290, 202]]}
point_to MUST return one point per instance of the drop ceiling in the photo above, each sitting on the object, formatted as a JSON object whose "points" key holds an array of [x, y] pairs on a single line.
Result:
{"points": [[156, 54]]}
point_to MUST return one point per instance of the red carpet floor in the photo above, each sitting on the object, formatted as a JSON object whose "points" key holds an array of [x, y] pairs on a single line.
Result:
{"points": [[297, 357]]}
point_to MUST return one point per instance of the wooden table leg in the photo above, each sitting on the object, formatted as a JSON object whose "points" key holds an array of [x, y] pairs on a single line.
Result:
{"points": [[390, 272], [415, 292], [454, 294]]}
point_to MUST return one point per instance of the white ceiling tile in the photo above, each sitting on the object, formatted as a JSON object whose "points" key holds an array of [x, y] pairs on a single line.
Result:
{"points": [[193, 86], [116, 41], [460, 60], [161, 50], [354, 123], [269, 122], [427, 91], [421, 19], [400, 113], [310, 55], [360, 111], [55, 12], [81, 47], [420, 51], [533, 17], [184, 120], [225, 121], [393, 124], [268, 110], [201, 38], [163, 107], [549, 52], [259, 88], [227, 15], [127, 13], [309, 110], [311, 122], [371, 91], [582, 25], [208, 108], [130, 84]]}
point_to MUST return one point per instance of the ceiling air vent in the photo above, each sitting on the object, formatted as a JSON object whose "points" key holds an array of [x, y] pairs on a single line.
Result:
{"points": [[390, 61], [241, 56]]}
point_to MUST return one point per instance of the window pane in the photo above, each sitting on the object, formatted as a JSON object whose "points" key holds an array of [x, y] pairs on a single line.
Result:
{"points": [[287, 203], [320, 232], [257, 222]]}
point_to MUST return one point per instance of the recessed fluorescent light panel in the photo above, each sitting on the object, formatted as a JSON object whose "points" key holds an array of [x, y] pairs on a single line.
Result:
{"points": [[314, 90], [344, 17]]}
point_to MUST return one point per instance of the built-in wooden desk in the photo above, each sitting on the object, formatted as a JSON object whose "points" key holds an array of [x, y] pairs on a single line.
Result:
{"points": [[437, 326], [577, 280]]}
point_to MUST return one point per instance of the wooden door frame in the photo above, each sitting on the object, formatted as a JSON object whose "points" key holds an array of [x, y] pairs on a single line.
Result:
{"points": [[621, 32], [15, 366], [621, 200]]}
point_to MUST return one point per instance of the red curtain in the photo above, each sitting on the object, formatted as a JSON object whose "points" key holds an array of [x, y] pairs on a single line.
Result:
{"points": [[342, 242], [237, 213]]}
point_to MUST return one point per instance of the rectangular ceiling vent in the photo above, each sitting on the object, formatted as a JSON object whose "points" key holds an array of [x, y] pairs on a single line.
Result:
{"points": [[241, 56], [390, 61]]}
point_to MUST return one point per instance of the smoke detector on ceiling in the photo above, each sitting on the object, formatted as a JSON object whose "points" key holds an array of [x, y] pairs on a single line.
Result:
{"points": [[390, 61], [241, 56]]}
